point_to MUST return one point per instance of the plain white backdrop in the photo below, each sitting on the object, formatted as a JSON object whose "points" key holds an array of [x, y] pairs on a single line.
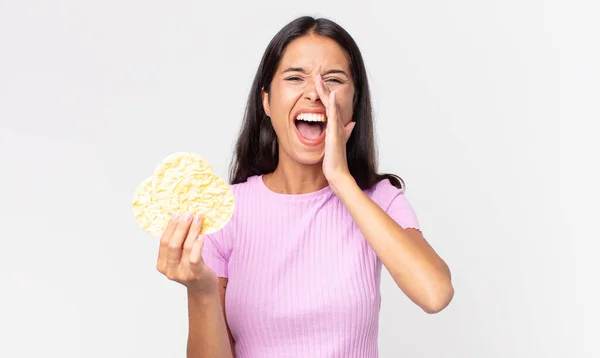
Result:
{"points": [[488, 110]]}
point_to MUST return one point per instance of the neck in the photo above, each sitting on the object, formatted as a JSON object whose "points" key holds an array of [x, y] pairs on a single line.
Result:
{"points": [[294, 178]]}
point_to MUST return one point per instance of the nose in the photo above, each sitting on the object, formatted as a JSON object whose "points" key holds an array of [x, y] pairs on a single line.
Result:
{"points": [[310, 91]]}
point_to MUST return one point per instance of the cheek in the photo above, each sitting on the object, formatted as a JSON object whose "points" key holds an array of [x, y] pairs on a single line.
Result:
{"points": [[284, 100], [281, 105], [346, 107]]}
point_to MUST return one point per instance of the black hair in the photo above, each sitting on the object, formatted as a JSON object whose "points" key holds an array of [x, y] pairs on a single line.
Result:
{"points": [[256, 150]]}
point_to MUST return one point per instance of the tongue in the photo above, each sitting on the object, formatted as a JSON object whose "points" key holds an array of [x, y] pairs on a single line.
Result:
{"points": [[309, 131]]}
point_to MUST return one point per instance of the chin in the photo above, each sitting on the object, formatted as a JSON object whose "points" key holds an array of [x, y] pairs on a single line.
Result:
{"points": [[306, 156], [309, 159]]}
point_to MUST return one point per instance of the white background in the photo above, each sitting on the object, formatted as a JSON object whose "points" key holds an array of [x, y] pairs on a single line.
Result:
{"points": [[488, 110]]}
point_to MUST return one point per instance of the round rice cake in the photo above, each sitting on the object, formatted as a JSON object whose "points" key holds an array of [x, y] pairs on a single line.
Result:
{"points": [[173, 168], [207, 194], [148, 213]]}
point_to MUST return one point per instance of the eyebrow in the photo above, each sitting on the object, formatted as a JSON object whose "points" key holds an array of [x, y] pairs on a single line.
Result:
{"points": [[300, 69]]}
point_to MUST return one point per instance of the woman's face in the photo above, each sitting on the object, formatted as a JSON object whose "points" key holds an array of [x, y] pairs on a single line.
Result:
{"points": [[293, 92]]}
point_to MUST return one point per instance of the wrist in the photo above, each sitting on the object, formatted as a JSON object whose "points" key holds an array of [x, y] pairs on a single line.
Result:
{"points": [[202, 298], [342, 182], [203, 293]]}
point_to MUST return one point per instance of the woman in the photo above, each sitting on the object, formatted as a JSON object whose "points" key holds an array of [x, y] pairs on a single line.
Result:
{"points": [[296, 271]]}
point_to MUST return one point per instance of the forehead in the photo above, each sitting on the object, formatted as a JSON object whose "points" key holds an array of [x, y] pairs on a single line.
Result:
{"points": [[312, 52]]}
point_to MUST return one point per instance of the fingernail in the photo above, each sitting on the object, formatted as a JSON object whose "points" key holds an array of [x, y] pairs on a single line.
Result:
{"points": [[188, 217], [197, 218], [176, 215]]}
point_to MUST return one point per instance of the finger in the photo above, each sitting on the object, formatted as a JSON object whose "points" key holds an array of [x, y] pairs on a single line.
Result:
{"points": [[171, 226], [195, 229], [164, 240], [332, 108], [196, 251], [175, 243], [322, 91], [332, 114]]}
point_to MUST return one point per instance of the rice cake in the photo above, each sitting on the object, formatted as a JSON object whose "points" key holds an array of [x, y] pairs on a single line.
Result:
{"points": [[148, 212], [173, 168], [204, 193], [184, 182]]}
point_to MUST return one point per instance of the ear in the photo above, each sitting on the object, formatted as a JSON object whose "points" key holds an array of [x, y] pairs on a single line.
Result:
{"points": [[265, 101]]}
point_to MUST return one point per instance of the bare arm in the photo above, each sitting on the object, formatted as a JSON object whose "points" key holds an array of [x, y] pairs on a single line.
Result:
{"points": [[180, 259], [208, 332], [222, 288], [413, 264]]}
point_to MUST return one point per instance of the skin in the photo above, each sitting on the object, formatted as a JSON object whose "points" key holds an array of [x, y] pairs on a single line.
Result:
{"points": [[413, 264], [180, 260], [415, 267], [300, 168]]}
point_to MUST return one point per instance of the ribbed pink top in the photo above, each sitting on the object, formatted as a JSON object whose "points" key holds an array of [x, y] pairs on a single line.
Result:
{"points": [[303, 281]]}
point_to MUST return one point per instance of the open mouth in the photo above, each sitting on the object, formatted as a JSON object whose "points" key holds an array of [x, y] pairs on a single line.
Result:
{"points": [[311, 125]]}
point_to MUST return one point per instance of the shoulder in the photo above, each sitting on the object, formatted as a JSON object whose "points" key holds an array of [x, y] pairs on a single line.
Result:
{"points": [[393, 201], [243, 194], [244, 188], [383, 193]]}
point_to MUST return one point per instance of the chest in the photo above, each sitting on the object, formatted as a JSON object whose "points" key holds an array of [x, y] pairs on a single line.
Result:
{"points": [[310, 268]]}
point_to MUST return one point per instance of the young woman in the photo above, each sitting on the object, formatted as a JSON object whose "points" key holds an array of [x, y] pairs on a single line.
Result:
{"points": [[296, 271]]}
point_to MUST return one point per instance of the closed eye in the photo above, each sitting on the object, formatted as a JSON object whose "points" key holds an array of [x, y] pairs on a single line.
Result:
{"points": [[335, 80], [331, 80]]}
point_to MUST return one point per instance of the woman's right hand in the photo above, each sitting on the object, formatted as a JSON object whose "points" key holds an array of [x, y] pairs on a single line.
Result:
{"points": [[180, 255]]}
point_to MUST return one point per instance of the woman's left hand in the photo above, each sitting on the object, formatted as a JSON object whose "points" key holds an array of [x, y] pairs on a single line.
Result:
{"points": [[335, 163]]}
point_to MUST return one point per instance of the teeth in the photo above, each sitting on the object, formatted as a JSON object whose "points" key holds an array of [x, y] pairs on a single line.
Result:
{"points": [[311, 117]]}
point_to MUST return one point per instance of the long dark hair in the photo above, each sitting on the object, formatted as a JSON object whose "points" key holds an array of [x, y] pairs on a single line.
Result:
{"points": [[257, 150]]}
